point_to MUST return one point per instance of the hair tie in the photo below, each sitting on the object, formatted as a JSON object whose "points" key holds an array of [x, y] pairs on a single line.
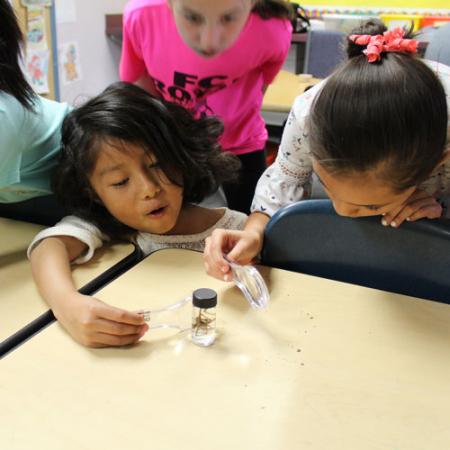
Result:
{"points": [[389, 41]]}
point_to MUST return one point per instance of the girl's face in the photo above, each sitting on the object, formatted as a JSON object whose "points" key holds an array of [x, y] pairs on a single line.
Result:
{"points": [[135, 190], [210, 26], [360, 195]]}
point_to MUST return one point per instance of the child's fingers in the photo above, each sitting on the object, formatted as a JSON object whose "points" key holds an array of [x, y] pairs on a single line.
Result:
{"points": [[109, 340], [242, 252], [215, 265], [393, 216], [220, 242], [118, 329], [389, 216], [430, 212], [102, 310], [421, 208], [239, 246], [217, 244]]}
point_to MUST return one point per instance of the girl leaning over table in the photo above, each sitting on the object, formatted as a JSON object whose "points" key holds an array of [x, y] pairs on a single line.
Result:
{"points": [[373, 137], [213, 58], [133, 168]]}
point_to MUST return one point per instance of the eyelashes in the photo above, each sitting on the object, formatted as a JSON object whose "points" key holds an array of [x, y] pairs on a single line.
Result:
{"points": [[369, 207], [121, 183], [153, 166], [197, 19]]}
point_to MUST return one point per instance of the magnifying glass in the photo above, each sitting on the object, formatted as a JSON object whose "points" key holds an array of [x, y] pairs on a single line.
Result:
{"points": [[171, 316], [196, 313], [251, 283]]}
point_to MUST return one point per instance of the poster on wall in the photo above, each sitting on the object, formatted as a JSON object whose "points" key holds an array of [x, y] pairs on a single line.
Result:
{"points": [[36, 68], [70, 62], [36, 30]]}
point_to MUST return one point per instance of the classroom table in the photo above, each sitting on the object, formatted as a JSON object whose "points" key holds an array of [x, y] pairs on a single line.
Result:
{"points": [[286, 87], [15, 237], [20, 302], [328, 366]]}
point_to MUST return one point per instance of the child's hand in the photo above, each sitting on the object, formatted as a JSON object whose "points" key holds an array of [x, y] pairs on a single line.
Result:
{"points": [[95, 324], [239, 246], [419, 205]]}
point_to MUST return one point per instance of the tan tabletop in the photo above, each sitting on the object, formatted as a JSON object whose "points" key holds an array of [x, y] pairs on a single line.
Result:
{"points": [[15, 237], [20, 302], [328, 366], [287, 86]]}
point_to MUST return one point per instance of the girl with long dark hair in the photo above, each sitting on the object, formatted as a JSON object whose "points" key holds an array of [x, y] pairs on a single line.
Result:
{"points": [[132, 168], [373, 137]]}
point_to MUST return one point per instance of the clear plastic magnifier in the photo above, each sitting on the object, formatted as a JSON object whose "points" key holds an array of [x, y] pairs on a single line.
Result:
{"points": [[176, 316], [251, 283], [196, 314]]}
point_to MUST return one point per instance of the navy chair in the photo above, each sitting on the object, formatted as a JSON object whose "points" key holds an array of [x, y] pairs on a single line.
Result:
{"points": [[324, 51], [438, 48], [309, 237]]}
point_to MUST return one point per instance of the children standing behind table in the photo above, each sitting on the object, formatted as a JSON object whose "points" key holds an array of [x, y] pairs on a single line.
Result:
{"points": [[373, 136], [214, 58], [132, 166]]}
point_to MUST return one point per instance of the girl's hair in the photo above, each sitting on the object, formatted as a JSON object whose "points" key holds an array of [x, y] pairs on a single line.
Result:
{"points": [[183, 146], [280, 9], [12, 79], [390, 115]]}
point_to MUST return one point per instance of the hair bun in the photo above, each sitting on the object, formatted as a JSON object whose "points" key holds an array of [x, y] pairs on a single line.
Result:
{"points": [[372, 27]]}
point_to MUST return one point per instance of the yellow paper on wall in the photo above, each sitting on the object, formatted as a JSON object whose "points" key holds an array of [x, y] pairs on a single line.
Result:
{"points": [[390, 4]]}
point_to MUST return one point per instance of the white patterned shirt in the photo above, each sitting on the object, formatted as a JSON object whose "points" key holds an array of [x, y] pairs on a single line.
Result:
{"points": [[291, 178], [89, 234]]}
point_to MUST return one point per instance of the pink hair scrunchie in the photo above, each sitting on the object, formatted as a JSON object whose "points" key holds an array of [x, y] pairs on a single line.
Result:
{"points": [[389, 41]]}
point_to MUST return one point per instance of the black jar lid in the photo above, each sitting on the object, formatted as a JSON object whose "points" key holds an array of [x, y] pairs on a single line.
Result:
{"points": [[204, 298]]}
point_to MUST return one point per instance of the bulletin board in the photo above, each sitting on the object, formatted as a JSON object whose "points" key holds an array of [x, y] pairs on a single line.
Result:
{"points": [[428, 7], [400, 4], [42, 79]]}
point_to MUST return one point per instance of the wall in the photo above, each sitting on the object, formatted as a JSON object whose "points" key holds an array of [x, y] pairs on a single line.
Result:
{"points": [[393, 4], [83, 22], [22, 16], [407, 6]]}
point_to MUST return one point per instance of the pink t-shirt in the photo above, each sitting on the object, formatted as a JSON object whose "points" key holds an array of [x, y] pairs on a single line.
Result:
{"points": [[228, 85]]}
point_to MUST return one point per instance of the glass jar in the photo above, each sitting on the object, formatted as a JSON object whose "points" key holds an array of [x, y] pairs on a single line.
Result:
{"points": [[203, 330]]}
